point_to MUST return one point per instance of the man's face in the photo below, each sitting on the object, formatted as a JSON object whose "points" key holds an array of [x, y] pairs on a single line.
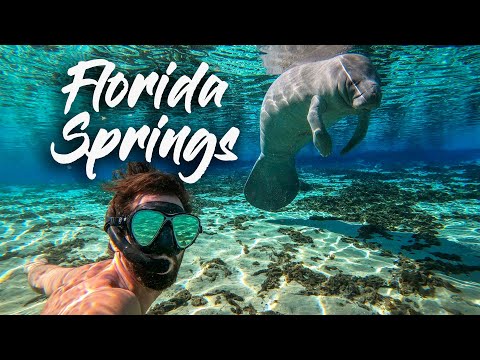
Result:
{"points": [[152, 280]]}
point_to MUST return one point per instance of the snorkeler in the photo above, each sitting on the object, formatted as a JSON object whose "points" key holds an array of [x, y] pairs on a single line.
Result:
{"points": [[150, 226]]}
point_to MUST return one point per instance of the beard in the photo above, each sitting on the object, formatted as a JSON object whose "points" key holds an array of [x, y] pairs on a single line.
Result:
{"points": [[153, 280]]}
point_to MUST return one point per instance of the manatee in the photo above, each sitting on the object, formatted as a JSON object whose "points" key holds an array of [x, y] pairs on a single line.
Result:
{"points": [[279, 58], [301, 105]]}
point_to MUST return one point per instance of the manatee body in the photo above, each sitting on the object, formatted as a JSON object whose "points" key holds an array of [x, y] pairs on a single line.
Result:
{"points": [[299, 107]]}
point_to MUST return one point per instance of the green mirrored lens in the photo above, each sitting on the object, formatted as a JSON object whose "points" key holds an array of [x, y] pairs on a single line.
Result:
{"points": [[186, 229], [145, 225]]}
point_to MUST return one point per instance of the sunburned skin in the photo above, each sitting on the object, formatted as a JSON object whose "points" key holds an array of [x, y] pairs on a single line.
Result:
{"points": [[103, 288]]}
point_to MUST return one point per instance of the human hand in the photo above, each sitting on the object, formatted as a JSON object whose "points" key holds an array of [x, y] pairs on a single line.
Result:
{"points": [[34, 262]]}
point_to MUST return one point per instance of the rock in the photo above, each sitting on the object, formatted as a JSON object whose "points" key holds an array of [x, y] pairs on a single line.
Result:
{"points": [[445, 256], [179, 299], [296, 236], [330, 268], [198, 301], [311, 280], [323, 218], [269, 312], [366, 231], [213, 268]]}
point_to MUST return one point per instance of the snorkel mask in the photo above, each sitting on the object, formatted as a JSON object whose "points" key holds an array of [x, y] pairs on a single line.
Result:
{"points": [[158, 231]]}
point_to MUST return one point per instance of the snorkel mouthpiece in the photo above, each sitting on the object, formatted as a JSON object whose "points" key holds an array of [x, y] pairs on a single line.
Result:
{"points": [[160, 264], [165, 265]]}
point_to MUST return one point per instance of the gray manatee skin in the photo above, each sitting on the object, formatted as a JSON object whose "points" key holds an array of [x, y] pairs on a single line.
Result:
{"points": [[299, 107]]}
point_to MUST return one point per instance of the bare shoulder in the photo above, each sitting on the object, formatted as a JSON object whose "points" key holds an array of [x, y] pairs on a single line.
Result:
{"points": [[87, 271], [106, 301]]}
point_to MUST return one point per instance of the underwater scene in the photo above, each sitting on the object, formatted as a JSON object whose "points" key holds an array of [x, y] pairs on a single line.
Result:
{"points": [[328, 179]]}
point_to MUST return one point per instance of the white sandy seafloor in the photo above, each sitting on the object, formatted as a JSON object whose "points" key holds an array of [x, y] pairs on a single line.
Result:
{"points": [[73, 215]]}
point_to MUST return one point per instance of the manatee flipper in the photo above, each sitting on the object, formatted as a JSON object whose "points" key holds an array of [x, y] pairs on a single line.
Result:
{"points": [[321, 138], [273, 183], [360, 132]]}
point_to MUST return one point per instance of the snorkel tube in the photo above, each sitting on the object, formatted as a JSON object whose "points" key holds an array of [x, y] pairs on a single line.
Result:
{"points": [[160, 266]]}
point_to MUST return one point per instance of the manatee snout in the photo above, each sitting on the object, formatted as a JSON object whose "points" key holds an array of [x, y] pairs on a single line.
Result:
{"points": [[370, 98]]}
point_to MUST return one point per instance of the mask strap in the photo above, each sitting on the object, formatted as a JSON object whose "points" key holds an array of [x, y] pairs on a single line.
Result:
{"points": [[114, 221]]}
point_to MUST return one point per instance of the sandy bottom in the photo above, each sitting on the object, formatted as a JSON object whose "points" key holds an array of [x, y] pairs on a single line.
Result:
{"points": [[298, 261]]}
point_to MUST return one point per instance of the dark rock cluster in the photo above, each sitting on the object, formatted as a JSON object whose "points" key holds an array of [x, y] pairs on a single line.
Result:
{"points": [[183, 298], [296, 236], [323, 218], [231, 299], [414, 277], [213, 268], [408, 277], [199, 301], [238, 222], [448, 268], [180, 299], [57, 254], [200, 203], [366, 231], [309, 279], [382, 206]]}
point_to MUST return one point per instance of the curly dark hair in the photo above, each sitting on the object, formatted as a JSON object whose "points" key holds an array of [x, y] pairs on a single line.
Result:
{"points": [[141, 178]]}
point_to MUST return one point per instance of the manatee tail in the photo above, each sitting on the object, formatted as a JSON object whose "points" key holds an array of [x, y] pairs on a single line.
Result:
{"points": [[272, 184]]}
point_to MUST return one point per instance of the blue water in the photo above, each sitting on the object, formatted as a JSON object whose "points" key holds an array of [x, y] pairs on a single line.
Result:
{"points": [[430, 109], [415, 178]]}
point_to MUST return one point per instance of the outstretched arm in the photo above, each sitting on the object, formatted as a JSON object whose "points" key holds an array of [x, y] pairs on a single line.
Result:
{"points": [[45, 278], [321, 138], [101, 302]]}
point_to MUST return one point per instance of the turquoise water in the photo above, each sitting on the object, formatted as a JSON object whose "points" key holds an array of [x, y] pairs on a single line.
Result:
{"points": [[429, 109], [391, 228]]}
